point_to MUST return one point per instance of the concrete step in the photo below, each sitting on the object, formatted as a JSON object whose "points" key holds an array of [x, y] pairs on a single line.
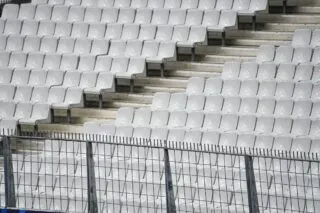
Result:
{"points": [[59, 128], [123, 103], [307, 9], [289, 18], [286, 27], [218, 59], [87, 113], [256, 43], [259, 35], [161, 82], [189, 66], [153, 89], [193, 73], [227, 50]]}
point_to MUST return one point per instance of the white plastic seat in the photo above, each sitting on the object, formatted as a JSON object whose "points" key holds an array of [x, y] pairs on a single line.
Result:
{"points": [[10, 11], [150, 49], [14, 43], [113, 31], [18, 60], [126, 15], [119, 65], [73, 98], [7, 110], [211, 18], [86, 63], [177, 16], [180, 33], [12, 27], [72, 2], [283, 54], [231, 70], [303, 72], [66, 45], [213, 103], [159, 118], [230, 88], [213, 86], [92, 15], [76, 14], [52, 61], [29, 27], [160, 100], [147, 32], [195, 102], [189, 4], [197, 36], [178, 101], [142, 117], [301, 38], [172, 4], [43, 12], [130, 31], [37, 77], [39, 94], [7, 92], [23, 110], [69, 62], [122, 3], [4, 59], [302, 55], [40, 114], [133, 48], [88, 80], [80, 30], [229, 122], [177, 119], [46, 28], [63, 29], [35, 60], [264, 125], [246, 123], [315, 110], [82, 46], [284, 89], [89, 3], [56, 95], [5, 75], [255, 7], [301, 127], [164, 32], [109, 15], [315, 41], [155, 4], [224, 4], [248, 70], [267, 89], [96, 31], [286, 72], [314, 129], [195, 85], [23, 94], [266, 142], [266, 53], [315, 92], [100, 46], [71, 79], [248, 105], [55, 2], [20, 77], [283, 107], [139, 3], [143, 16], [60, 13], [228, 20], [103, 64], [302, 90], [54, 78], [282, 126], [27, 11], [231, 105], [249, 88], [49, 44], [206, 4], [166, 52], [105, 83], [239, 5], [266, 106], [136, 67], [160, 16], [246, 140], [195, 121]]}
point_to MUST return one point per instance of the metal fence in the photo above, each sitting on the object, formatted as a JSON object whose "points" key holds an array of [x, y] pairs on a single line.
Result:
{"points": [[95, 173]]}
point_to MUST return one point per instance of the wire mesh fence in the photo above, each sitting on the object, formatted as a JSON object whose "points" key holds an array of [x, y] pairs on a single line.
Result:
{"points": [[95, 173]]}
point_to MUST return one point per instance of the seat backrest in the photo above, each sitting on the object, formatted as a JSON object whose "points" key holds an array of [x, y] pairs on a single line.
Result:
{"points": [[229, 122], [267, 88], [228, 18], [284, 89], [286, 72], [302, 108], [266, 53], [177, 119], [40, 111], [5, 75], [92, 15], [43, 12], [35, 60], [4, 59], [164, 32], [23, 111], [231, 70], [88, 80], [241, 5], [177, 16], [113, 31], [315, 40], [63, 29], [46, 28], [119, 65], [23, 94], [109, 15], [283, 108], [150, 49], [100, 46], [147, 32], [82, 46], [301, 38], [126, 15], [14, 43], [96, 31], [231, 87], [89, 3], [37, 77], [72, 2], [10, 11], [207, 4], [160, 100], [86, 63], [195, 85], [160, 16], [7, 92], [267, 71], [180, 33], [133, 48], [60, 13], [142, 117], [159, 118], [266, 106], [29, 27], [40, 94], [139, 3], [117, 47], [122, 3], [224, 4], [194, 17], [195, 102], [71, 79], [12, 27], [167, 49], [76, 14], [54, 78], [303, 72], [213, 86], [18, 60], [130, 31], [231, 105], [213, 103], [156, 4], [302, 55], [52, 61], [69, 62], [143, 16], [189, 4], [170, 4], [7, 110], [178, 101], [27, 11], [248, 105], [283, 54], [49, 44], [124, 116], [79, 30], [248, 70], [103, 64]]}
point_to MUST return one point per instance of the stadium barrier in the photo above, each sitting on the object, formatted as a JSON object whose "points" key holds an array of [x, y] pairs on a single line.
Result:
{"points": [[68, 172]]}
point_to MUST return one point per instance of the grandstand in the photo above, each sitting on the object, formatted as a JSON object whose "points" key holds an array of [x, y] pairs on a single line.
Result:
{"points": [[180, 105]]}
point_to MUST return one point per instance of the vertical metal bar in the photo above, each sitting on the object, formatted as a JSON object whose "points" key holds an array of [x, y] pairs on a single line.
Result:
{"points": [[251, 185], [91, 181], [171, 208], [10, 197]]}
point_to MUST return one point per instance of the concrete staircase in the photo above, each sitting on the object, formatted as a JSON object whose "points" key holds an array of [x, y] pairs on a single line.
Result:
{"points": [[273, 28]]}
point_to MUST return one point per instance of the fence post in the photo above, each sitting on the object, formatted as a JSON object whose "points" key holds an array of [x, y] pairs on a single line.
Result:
{"points": [[10, 197], [91, 181], [171, 207], [251, 186]]}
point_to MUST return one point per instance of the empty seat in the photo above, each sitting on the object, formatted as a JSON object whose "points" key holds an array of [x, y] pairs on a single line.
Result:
{"points": [[246, 123], [43, 12], [267, 88], [159, 118], [156, 3], [180, 34], [142, 117], [126, 15], [266, 53], [160, 16], [303, 72], [248, 70], [4, 59], [283, 108], [197, 36], [92, 15], [72, 2], [23, 94], [231, 105], [315, 41], [73, 98], [12, 27], [211, 122], [240, 5], [40, 114], [264, 125], [69, 62], [88, 80], [122, 3], [86, 63], [195, 121], [213, 103], [178, 101], [7, 92], [283, 54], [224, 4], [228, 19], [231, 70], [249, 88], [63, 29], [46, 28], [166, 52], [195, 103], [113, 31], [189, 4], [136, 67], [82, 46], [177, 16], [23, 110], [18, 60], [52, 61], [255, 7], [301, 127], [301, 38], [164, 32], [100, 46], [231, 88], [29, 27], [49, 44], [195, 85], [282, 126], [143, 16], [133, 48], [96, 31], [5, 75], [147, 32], [177, 119], [302, 90], [14, 43], [130, 31], [139, 3], [206, 4], [316, 56], [315, 110], [109, 15], [37, 77], [213, 86], [27, 11], [89, 3], [248, 105], [54, 78], [302, 55], [76, 14], [7, 110], [39, 94], [56, 2], [105, 83], [160, 100], [302, 108], [284, 89], [286, 72], [31, 44], [229, 122], [71, 79], [79, 30], [60, 13], [10, 11], [35, 60], [150, 49], [103, 64], [266, 106]]}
